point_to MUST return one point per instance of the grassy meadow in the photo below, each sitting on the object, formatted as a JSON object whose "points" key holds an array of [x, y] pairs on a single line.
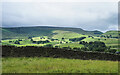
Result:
{"points": [[71, 45], [57, 65]]}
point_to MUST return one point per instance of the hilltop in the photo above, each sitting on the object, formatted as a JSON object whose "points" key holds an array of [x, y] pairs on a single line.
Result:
{"points": [[23, 32]]}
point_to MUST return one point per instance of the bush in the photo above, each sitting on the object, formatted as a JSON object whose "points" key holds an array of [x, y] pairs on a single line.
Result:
{"points": [[56, 46], [112, 50], [60, 42], [48, 45], [16, 42], [29, 37], [10, 41], [94, 46], [62, 38], [77, 39], [20, 40]]}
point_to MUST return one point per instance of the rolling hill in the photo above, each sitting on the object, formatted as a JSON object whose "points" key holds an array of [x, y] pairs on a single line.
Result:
{"points": [[113, 33], [25, 32]]}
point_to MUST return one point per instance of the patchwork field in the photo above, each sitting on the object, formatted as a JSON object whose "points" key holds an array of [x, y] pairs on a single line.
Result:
{"points": [[62, 38]]}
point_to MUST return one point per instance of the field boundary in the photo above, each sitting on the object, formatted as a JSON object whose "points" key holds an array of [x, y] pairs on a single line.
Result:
{"points": [[33, 51]]}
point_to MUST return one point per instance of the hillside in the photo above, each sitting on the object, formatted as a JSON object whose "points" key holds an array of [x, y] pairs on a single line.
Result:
{"points": [[24, 32], [113, 33]]}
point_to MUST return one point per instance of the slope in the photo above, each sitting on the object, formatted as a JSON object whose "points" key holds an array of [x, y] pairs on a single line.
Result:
{"points": [[25, 32]]}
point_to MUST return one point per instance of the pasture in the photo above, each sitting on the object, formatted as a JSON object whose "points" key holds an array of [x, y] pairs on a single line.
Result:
{"points": [[57, 65]]}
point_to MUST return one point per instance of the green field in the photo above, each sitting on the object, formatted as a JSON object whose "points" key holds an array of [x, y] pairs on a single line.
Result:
{"points": [[57, 65], [66, 35], [71, 45], [113, 33]]}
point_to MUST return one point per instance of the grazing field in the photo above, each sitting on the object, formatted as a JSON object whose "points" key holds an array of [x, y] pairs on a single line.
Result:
{"points": [[113, 33], [71, 45], [57, 65], [67, 34]]}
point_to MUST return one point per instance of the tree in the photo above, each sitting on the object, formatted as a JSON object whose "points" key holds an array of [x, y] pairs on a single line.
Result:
{"points": [[38, 42], [80, 42], [95, 46], [17, 42], [62, 38], [110, 36], [89, 36], [10, 41], [56, 46], [66, 42], [47, 41], [29, 37], [112, 50], [77, 39], [84, 48], [98, 39], [48, 45], [52, 39], [60, 42], [34, 41]]}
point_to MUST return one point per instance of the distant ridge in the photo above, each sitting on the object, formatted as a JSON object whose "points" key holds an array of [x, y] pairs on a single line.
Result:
{"points": [[20, 32]]}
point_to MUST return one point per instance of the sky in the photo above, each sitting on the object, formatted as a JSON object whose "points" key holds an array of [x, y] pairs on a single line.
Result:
{"points": [[91, 16]]}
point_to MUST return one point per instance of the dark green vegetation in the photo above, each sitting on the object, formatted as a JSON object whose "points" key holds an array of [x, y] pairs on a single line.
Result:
{"points": [[57, 65], [31, 51]]}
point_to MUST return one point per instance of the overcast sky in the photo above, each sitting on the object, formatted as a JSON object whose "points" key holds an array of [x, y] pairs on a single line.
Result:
{"points": [[86, 15]]}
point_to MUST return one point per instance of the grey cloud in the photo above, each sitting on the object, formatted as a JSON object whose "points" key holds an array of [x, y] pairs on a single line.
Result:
{"points": [[89, 16]]}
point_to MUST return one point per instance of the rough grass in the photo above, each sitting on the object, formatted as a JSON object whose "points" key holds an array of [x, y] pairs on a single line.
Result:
{"points": [[113, 33], [38, 39], [57, 65], [89, 39], [111, 41], [67, 34], [71, 45]]}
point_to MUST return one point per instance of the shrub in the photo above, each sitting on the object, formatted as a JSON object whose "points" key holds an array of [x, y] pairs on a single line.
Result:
{"points": [[29, 37], [10, 41], [48, 45], [77, 39], [94, 46], [16, 42], [112, 50]]}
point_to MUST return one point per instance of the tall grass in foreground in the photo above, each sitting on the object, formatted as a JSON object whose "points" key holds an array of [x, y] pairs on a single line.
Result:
{"points": [[57, 65]]}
